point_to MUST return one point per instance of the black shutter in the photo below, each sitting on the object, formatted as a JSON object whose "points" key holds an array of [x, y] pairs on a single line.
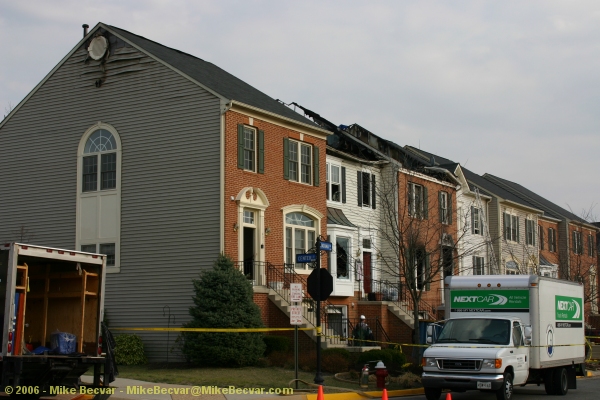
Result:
{"points": [[240, 146], [343, 184], [286, 158], [506, 225], [518, 229], [373, 192], [428, 276], [359, 187], [317, 178], [261, 152]]}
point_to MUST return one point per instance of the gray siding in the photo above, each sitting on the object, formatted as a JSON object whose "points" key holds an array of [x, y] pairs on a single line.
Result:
{"points": [[496, 232], [170, 134]]}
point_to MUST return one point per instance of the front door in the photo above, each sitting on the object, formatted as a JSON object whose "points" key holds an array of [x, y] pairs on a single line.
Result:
{"points": [[249, 252], [368, 276], [521, 354]]}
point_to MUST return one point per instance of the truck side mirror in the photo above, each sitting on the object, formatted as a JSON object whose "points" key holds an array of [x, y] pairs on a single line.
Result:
{"points": [[429, 330], [528, 335], [429, 340]]}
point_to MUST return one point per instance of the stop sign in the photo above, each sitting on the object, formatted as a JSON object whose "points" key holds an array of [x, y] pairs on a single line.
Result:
{"points": [[326, 284]]}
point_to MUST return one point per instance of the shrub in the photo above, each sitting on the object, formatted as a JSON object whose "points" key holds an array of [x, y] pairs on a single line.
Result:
{"points": [[277, 343], [129, 350], [223, 299]]}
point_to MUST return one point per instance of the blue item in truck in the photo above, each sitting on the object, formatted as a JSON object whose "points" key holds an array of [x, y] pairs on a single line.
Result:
{"points": [[63, 343], [40, 350]]}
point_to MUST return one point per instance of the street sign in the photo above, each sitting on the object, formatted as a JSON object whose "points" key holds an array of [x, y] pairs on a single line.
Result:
{"points": [[306, 258], [326, 281], [326, 246], [295, 292], [296, 315]]}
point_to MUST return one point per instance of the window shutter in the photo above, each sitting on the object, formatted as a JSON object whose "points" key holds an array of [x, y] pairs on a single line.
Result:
{"points": [[317, 179], [410, 199], [440, 209], [373, 192], [359, 187], [427, 276], [425, 203], [506, 225], [518, 229], [574, 242], [286, 158], [240, 146], [343, 184], [261, 152], [449, 208]]}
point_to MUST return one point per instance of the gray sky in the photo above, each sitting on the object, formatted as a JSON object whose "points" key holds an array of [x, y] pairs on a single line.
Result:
{"points": [[506, 87]]}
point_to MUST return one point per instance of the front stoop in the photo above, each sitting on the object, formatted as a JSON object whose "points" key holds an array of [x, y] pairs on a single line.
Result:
{"points": [[400, 313]]}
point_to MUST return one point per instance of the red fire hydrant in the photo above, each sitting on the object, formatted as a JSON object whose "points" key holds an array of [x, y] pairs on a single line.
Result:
{"points": [[381, 373]]}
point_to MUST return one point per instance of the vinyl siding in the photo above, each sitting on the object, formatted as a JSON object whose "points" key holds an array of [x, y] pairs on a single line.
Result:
{"points": [[170, 135]]}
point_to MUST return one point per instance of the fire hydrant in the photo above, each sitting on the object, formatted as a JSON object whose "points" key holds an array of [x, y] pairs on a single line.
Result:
{"points": [[381, 373], [364, 376]]}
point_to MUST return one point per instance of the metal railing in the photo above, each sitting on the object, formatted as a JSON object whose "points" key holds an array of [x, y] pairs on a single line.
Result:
{"points": [[399, 294], [252, 270]]}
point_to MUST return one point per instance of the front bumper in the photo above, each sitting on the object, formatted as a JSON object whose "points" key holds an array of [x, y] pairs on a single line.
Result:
{"points": [[458, 381]]}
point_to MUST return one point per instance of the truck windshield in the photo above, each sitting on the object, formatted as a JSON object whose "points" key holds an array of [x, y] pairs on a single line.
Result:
{"points": [[476, 330]]}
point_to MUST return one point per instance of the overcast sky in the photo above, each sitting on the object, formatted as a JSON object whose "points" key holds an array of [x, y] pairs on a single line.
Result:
{"points": [[511, 88]]}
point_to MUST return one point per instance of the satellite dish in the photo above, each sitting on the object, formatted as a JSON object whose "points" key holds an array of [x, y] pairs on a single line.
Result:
{"points": [[98, 47]]}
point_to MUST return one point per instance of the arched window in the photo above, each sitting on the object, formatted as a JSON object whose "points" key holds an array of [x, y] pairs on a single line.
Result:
{"points": [[99, 193], [100, 150], [300, 236]]}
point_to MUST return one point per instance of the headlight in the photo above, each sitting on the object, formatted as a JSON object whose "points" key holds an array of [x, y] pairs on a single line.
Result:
{"points": [[492, 363], [428, 362]]}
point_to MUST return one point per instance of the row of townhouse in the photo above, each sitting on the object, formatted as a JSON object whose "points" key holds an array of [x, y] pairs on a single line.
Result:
{"points": [[163, 160]]}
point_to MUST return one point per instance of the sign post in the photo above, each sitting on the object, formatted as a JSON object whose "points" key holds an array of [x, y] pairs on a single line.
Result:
{"points": [[296, 319]]}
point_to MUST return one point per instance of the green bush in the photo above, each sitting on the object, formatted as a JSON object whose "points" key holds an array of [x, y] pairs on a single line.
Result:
{"points": [[393, 359], [277, 343], [129, 350], [223, 299]]}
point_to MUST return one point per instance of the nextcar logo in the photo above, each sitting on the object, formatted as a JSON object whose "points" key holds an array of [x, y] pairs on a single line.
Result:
{"points": [[490, 299], [568, 308]]}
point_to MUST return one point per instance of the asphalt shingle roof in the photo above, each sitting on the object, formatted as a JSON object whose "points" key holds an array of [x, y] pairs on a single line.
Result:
{"points": [[213, 77]]}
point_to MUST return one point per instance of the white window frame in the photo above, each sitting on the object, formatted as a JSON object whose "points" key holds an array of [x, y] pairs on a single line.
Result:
{"points": [[416, 210], [552, 240], [511, 231], [478, 265], [99, 194], [252, 151], [530, 232], [444, 207], [578, 245], [313, 214], [590, 245], [348, 261], [476, 218], [331, 182], [299, 162]]}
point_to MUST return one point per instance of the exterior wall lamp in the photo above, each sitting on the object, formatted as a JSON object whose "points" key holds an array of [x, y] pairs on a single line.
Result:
{"points": [[236, 226], [267, 231]]}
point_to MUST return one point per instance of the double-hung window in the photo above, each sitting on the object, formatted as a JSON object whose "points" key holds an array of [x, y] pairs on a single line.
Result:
{"points": [[336, 183], [552, 239], [301, 162], [366, 189], [105, 248], [577, 242], [251, 149], [300, 236], [478, 265], [445, 204], [590, 245], [530, 232], [511, 227], [476, 221], [417, 201]]}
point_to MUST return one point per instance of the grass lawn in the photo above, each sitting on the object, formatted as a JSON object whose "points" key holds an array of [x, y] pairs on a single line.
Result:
{"points": [[249, 377]]}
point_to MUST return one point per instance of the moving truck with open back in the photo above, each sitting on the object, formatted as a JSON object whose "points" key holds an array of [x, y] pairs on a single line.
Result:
{"points": [[505, 330], [51, 302]]}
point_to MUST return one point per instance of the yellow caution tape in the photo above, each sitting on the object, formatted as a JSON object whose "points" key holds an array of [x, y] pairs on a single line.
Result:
{"points": [[211, 329]]}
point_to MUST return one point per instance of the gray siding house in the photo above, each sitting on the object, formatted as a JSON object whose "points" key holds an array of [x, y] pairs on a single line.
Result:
{"points": [[120, 150]]}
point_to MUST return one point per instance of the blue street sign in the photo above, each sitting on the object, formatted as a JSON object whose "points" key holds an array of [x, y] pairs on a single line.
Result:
{"points": [[306, 258], [326, 246]]}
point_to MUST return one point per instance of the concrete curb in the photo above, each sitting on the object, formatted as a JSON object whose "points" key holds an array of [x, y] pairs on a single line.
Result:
{"points": [[376, 394]]}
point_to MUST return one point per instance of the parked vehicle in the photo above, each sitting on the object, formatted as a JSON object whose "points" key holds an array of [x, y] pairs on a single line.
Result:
{"points": [[506, 330], [52, 311]]}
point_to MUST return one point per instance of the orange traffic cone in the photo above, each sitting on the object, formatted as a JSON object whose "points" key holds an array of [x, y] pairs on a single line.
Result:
{"points": [[384, 394], [320, 395], [448, 396]]}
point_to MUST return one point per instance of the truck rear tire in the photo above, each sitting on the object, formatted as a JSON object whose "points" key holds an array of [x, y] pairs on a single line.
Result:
{"points": [[506, 391], [560, 381], [433, 393]]}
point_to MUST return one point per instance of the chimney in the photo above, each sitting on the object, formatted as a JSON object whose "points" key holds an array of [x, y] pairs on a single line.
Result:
{"points": [[85, 29]]}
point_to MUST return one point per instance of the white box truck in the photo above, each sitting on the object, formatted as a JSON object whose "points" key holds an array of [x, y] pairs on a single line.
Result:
{"points": [[51, 302], [505, 330]]}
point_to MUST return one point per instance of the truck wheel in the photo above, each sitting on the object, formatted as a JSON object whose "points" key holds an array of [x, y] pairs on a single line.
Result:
{"points": [[433, 393], [506, 391], [549, 382], [560, 380]]}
